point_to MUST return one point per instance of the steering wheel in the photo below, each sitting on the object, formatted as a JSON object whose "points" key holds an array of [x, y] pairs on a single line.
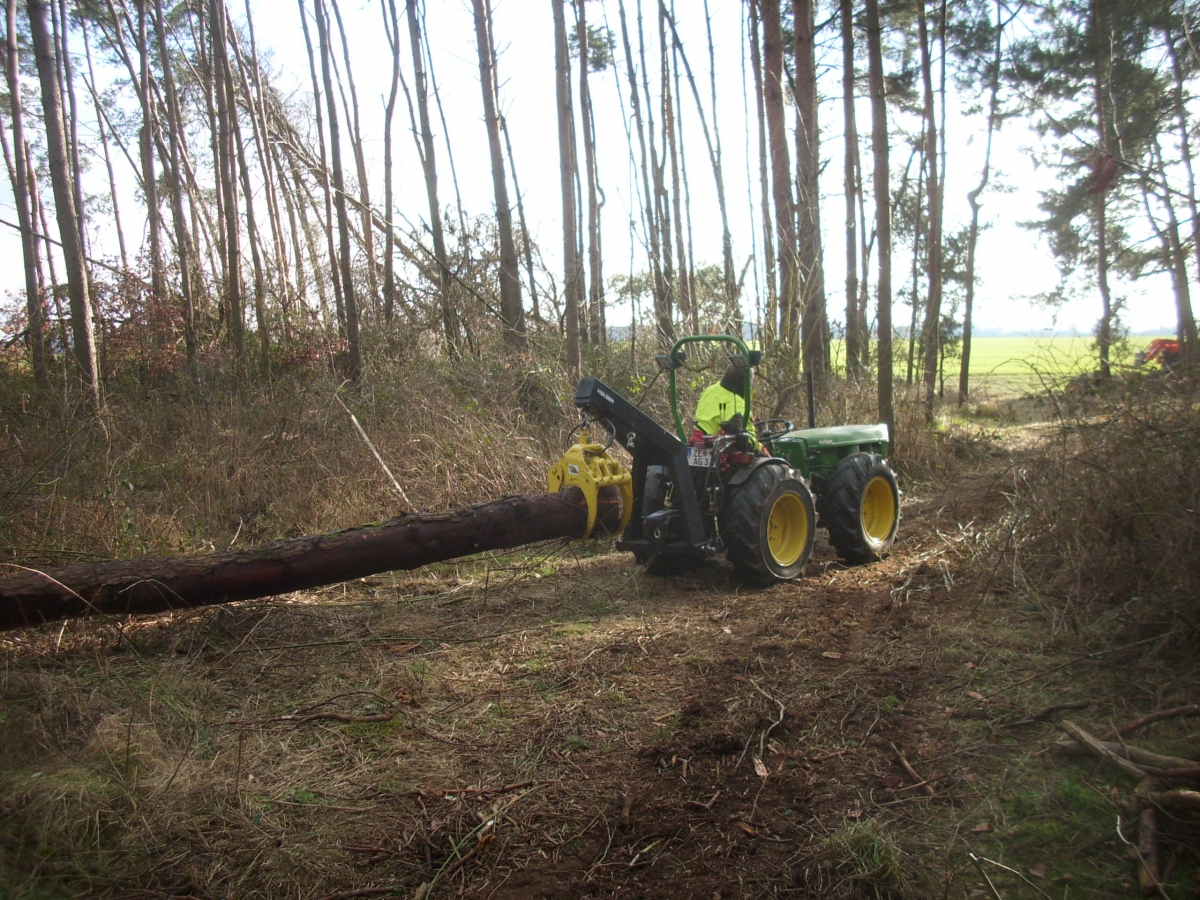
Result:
{"points": [[766, 428]]}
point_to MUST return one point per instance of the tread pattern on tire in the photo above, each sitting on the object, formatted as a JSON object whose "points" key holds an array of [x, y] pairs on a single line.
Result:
{"points": [[840, 508], [742, 528]]}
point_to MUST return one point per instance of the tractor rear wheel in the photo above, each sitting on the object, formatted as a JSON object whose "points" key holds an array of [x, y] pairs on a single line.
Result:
{"points": [[860, 508], [768, 526]]}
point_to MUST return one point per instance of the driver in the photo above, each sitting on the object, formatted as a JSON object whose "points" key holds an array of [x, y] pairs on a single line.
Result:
{"points": [[720, 402]]}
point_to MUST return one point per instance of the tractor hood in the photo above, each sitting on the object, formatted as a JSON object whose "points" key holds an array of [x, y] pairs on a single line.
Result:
{"points": [[838, 435]]}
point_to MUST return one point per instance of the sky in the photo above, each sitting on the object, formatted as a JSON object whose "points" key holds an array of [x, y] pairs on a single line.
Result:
{"points": [[1013, 264]]}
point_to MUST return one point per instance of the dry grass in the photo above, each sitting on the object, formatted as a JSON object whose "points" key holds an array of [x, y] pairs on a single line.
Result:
{"points": [[182, 473], [1103, 513]]}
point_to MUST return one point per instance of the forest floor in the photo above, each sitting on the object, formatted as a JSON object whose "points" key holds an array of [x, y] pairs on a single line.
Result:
{"points": [[558, 724]]}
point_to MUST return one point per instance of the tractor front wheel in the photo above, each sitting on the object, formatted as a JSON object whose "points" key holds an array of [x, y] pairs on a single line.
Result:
{"points": [[860, 508], [768, 526]]}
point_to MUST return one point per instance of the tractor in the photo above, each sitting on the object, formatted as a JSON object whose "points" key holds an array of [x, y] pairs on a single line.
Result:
{"points": [[758, 499]]}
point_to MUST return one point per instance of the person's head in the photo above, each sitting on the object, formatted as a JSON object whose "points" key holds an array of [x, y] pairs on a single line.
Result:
{"points": [[734, 380]]}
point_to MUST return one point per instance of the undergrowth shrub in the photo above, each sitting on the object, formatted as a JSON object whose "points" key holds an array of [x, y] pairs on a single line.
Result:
{"points": [[1106, 511]]}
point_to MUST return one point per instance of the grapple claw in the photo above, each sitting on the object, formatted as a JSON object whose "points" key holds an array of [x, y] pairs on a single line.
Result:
{"points": [[587, 466]]}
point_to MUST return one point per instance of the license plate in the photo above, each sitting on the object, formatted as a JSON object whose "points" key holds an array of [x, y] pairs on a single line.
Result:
{"points": [[699, 457]]}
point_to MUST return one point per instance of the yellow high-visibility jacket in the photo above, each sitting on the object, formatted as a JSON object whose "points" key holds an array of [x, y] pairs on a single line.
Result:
{"points": [[717, 405]]}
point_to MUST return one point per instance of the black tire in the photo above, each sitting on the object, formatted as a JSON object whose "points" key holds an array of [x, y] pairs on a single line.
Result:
{"points": [[667, 564], [860, 508], [769, 526]]}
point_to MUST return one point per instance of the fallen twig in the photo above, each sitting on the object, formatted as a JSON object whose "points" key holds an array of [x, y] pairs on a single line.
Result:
{"points": [[1153, 717], [1177, 801], [919, 781], [1102, 751], [1149, 763], [1046, 713], [478, 793], [702, 805], [1147, 848], [1157, 888]]}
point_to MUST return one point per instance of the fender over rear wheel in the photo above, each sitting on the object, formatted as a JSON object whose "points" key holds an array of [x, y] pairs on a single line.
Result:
{"points": [[768, 526], [860, 508]]}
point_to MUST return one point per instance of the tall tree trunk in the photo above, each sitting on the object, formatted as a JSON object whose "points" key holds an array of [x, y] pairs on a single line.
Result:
{"points": [[526, 239], [1174, 256], [227, 181], [854, 337], [933, 308], [429, 169], [771, 317], [391, 27], [354, 350], [158, 306], [71, 110], [964, 372], [665, 305], [175, 182], [360, 162], [671, 152], [714, 157], [253, 235], [595, 270], [1104, 331], [567, 164], [781, 185], [883, 215], [64, 201], [257, 107], [733, 301], [920, 242], [34, 304], [1186, 325], [662, 309], [102, 127], [815, 324], [512, 308], [326, 185]]}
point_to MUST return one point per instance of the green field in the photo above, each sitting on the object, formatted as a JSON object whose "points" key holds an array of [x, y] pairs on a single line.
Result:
{"points": [[1018, 363], [996, 356]]}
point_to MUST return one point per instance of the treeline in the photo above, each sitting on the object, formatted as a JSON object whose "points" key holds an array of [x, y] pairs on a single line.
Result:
{"points": [[261, 242]]}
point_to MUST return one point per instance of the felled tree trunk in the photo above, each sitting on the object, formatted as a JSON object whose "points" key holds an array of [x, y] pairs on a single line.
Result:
{"points": [[148, 585]]}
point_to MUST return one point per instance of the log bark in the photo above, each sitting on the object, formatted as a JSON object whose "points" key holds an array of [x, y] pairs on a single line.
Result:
{"points": [[149, 585]]}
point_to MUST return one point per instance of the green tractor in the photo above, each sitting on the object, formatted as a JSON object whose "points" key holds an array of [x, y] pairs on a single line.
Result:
{"points": [[691, 496]]}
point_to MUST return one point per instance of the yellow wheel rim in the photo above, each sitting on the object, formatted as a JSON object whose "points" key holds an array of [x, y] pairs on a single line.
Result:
{"points": [[787, 529], [878, 510]]}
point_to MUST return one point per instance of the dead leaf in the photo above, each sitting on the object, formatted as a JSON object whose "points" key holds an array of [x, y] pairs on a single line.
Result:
{"points": [[760, 769], [831, 654], [983, 828], [975, 695], [1038, 870]]}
